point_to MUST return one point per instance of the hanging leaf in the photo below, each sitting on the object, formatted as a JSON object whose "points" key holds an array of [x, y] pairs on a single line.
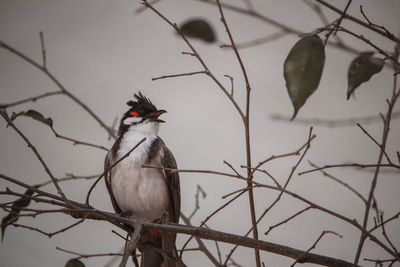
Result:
{"points": [[74, 263], [361, 69], [12, 217], [303, 69], [34, 115], [198, 28]]}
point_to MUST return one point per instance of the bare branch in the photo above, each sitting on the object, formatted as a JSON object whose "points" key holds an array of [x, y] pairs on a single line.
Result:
{"points": [[80, 255], [300, 260], [385, 134], [352, 165], [196, 54], [356, 20], [132, 244], [4, 114], [286, 220], [334, 123], [202, 247], [57, 83], [340, 182], [197, 200], [232, 85], [259, 41], [42, 46], [375, 141], [179, 75], [33, 99]]}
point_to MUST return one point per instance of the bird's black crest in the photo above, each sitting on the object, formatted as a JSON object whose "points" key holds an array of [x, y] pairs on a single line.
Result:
{"points": [[141, 104], [140, 99]]}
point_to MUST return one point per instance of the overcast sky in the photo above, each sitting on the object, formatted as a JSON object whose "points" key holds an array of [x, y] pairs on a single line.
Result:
{"points": [[103, 52]]}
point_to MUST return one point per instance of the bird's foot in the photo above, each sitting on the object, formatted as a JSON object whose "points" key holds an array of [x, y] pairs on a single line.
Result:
{"points": [[126, 214], [161, 220]]}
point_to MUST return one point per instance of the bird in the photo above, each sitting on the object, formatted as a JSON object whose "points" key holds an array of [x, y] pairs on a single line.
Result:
{"points": [[151, 194]]}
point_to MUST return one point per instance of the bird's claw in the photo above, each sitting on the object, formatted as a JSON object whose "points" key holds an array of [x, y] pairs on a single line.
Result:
{"points": [[126, 214], [161, 220]]}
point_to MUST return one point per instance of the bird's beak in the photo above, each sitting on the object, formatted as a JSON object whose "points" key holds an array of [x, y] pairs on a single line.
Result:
{"points": [[154, 116]]}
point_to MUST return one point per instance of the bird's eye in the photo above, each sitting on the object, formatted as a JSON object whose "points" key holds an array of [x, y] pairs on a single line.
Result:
{"points": [[133, 113]]}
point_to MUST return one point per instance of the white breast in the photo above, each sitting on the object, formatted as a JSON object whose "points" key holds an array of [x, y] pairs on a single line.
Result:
{"points": [[143, 191]]}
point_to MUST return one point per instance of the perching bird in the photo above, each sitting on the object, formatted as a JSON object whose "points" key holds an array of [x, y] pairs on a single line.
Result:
{"points": [[145, 193]]}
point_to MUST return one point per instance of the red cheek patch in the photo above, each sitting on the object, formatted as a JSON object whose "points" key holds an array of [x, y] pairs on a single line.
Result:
{"points": [[133, 113]]}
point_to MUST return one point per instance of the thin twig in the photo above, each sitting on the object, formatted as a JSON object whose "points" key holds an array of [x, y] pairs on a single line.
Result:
{"points": [[358, 21], [286, 220], [197, 200], [109, 168], [334, 123], [339, 181], [76, 141], [233, 169], [283, 27], [132, 244], [43, 48], [299, 260], [196, 54], [33, 99], [385, 134], [232, 85], [375, 25], [4, 114], [68, 178], [386, 236], [201, 244], [85, 256], [259, 41], [179, 75], [282, 190], [375, 141], [50, 75], [209, 217], [351, 165], [267, 173]]}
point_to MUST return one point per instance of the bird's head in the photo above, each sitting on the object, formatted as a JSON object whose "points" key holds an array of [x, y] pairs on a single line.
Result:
{"points": [[142, 115]]}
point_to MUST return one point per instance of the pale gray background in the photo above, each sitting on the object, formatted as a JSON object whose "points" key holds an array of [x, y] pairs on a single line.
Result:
{"points": [[103, 53]]}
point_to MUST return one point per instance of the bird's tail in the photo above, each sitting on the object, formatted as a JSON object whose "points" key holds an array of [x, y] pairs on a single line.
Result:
{"points": [[168, 245], [159, 252], [151, 258]]}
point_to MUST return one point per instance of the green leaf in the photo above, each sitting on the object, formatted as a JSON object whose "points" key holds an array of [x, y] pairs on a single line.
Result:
{"points": [[34, 115], [198, 28], [361, 69], [74, 263], [12, 217], [303, 69]]}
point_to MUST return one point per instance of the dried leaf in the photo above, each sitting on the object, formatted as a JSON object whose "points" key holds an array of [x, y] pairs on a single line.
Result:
{"points": [[74, 263], [361, 69], [303, 69], [12, 217], [34, 115], [198, 28]]}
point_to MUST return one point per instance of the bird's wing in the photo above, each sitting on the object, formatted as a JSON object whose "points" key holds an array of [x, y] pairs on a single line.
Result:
{"points": [[172, 178], [107, 164]]}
